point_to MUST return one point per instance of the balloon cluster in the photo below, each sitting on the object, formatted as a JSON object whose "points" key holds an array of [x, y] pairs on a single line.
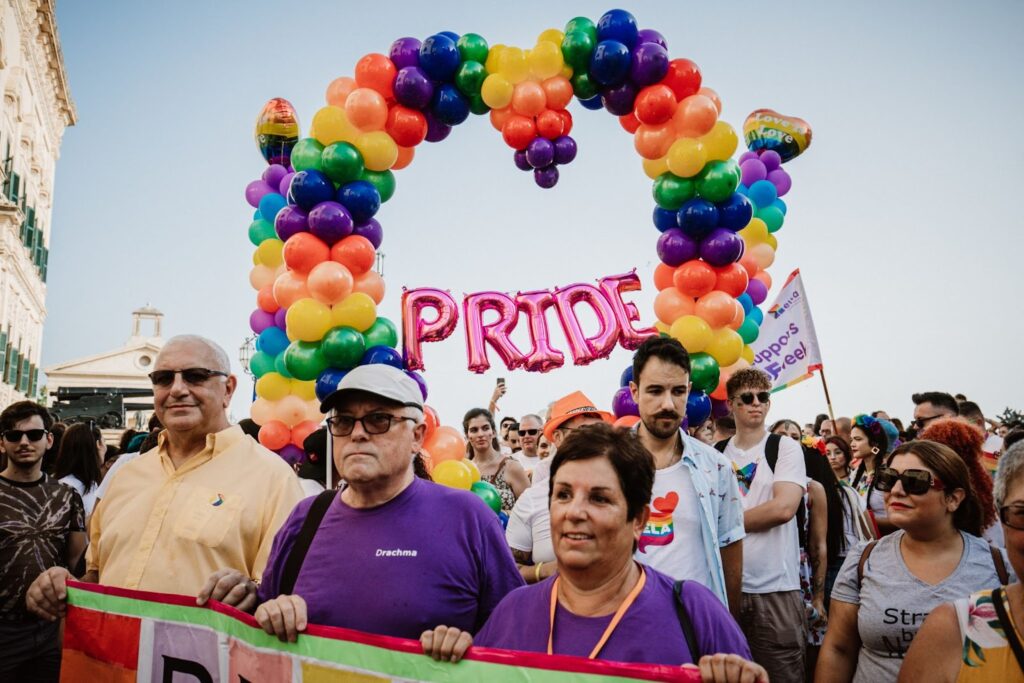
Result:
{"points": [[463, 474]]}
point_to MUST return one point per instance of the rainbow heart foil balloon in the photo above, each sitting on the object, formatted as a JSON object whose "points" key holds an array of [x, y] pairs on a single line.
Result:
{"points": [[766, 129], [277, 131]]}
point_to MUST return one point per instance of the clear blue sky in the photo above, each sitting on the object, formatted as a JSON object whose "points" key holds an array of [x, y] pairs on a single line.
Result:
{"points": [[904, 217]]}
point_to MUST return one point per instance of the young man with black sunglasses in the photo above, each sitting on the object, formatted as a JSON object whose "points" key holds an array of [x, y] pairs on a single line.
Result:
{"points": [[42, 525]]}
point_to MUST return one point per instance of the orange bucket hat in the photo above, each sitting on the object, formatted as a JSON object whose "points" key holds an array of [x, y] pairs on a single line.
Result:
{"points": [[569, 407]]}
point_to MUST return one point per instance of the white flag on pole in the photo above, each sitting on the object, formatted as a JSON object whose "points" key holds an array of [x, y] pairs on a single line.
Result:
{"points": [[787, 346]]}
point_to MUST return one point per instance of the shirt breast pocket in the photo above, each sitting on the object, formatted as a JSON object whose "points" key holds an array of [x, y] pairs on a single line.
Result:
{"points": [[207, 515]]}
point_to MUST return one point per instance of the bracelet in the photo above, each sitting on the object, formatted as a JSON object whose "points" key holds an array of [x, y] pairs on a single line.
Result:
{"points": [[536, 572]]}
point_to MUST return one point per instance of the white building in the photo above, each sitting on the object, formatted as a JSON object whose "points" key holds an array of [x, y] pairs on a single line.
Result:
{"points": [[37, 107]]}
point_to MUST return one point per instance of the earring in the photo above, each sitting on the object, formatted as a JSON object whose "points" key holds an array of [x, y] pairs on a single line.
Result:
{"points": [[875, 450]]}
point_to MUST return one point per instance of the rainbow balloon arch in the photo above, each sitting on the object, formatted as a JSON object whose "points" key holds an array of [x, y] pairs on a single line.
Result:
{"points": [[316, 232]]}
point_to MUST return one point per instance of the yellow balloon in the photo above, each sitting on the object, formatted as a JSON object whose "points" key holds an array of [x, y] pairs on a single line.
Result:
{"points": [[304, 390], [546, 60], [726, 346], [473, 469], [357, 310], [271, 253], [493, 55], [308, 320], [552, 35], [452, 473], [720, 142], [692, 332], [773, 242], [747, 354], [378, 149], [662, 327], [512, 65], [655, 167], [566, 71], [273, 386], [686, 157], [496, 91], [256, 261], [331, 125], [755, 233]]}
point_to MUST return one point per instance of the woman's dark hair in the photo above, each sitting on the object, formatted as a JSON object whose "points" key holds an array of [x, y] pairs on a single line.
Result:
{"points": [[840, 443], [419, 468], [633, 464], [150, 442], [472, 414], [1013, 436], [966, 440], [79, 455], [952, 471], [835, 535], [126, 438], [817, 423]]}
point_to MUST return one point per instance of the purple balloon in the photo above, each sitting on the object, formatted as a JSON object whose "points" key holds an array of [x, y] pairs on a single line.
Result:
{"points": [[281, 318], [747, 155], [649, 65], [519, 157], [289, 221], [286, 182], [649, 35], [260, 320], [274, 174], [721, 247], [436, 131], [546, 177], [565, 149], [330, 221], [623, 403], [781, 180], [255, 191], [292, 454], [540, 152], [405, 52], [751, 171], [372, 231], [676, 248], [619, 100], [771, 159], [413, 88], [719, 408], [418, 378], [757, 291]]}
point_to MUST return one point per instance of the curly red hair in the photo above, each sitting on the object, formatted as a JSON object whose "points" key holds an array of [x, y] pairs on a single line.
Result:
{"points": [[966, 440]]}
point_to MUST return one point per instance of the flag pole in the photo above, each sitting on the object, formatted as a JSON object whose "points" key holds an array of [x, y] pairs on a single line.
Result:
{"points": [[828, 399]]}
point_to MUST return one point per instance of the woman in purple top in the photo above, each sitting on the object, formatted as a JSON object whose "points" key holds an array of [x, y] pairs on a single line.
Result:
{"points": [[602, 604]]}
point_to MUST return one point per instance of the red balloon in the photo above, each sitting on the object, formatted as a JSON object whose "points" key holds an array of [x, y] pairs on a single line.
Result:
{"points": [[356, 253], [407, 126], [518, 131], [566, 121], [683, 77], [549, 124], [378, 72], [274, 435], [266, 301], [629, 122], [303, 430], [655, 104], [303, 251], [732, 279], [432, 421], [695, 278]]}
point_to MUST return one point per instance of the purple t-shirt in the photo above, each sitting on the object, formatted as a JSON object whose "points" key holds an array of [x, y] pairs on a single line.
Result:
{"points": [[649, 632], [432, 555]]}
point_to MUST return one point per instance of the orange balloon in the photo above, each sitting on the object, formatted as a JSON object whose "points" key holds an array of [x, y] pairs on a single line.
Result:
{"points": [[356, 253], [749, 263], [629, 123], [652, 142], [499, 117], [431, 420], [330, 282], [716, 308], [720, 393], [372, 284], [405, 156], [265, 299], [764, 277], [275, 435], [407, 126], [738, 315], [732, 279], [366, 109], [550, 124], [339, 89], [557, 92], [518, 131], [446, 444], [663, 276], [303, 251], [671, 304], [289, 287], [291, 410], [528, 98], [626, 421], [695, 116], [377, 72], [655, 104], [695, 279], [303, 430], [713, 96]]}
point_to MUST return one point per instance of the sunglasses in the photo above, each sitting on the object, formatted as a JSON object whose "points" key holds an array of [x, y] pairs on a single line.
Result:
{"points": [[528, 432], [1012, 516], [193, 376], [915, 482], [14, 435], [922, 421], [761, 396], [373, 423]]}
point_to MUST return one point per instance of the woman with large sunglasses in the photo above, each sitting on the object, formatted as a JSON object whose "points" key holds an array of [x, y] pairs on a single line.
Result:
{"points": [[978, 638], [886, 588]]}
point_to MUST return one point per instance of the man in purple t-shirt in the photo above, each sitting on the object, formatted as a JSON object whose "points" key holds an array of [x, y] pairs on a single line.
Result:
{"points": [[392, 554]]}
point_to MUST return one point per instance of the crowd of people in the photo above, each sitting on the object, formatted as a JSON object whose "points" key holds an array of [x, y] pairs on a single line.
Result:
{"points": [[847, 549]]}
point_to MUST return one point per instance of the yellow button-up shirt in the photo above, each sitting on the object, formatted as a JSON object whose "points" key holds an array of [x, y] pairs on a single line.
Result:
{"points": [[164, 529]]}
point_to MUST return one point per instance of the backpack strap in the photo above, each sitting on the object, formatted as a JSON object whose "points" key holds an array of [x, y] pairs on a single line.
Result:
{"points": [[771, 450], [1008, 628], [720, 446], [997, 560], [863, 561], [684, 621], [297, 555]]}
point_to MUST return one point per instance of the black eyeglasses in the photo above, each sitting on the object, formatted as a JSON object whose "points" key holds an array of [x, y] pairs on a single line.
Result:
{"points": [[922, 421], [14, 435], [748, 397], [373, 423], [915, 482], [529, 432], [193, 376], [1012, 516]]}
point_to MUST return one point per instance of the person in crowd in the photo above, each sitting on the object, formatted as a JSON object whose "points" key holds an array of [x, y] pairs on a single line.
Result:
{"points": [[207, 497], [499, 392], [869, 444], [826, 429], [110, 456], [78, 463], [126, 438], [931, 405], [440, 552], [992, 445], [818, 421], [725, 428], [977, 638], [600, 485], [530, 427], [513, 439], [507, 475], [56, 433], [705, 432], [886, 588], [1013, 436], [772, 478], [529, 525], [544, 448], [1002, 429], [855, 525], [808, 430], [506, 426], [843, 425], [880, 415], [695, 530], [42, 525], [837, 450], [788, 428]]}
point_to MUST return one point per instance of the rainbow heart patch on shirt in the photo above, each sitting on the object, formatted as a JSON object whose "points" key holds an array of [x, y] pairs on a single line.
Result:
{"points": [[218, 501], [745, 475]]}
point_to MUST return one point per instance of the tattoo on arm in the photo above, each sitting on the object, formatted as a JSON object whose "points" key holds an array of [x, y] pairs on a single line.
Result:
{"points": [[522, 557]]}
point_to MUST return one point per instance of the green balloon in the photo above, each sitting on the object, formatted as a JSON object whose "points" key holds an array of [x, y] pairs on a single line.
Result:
{"points": [[577, 47], [280, 367], [718, 180], [261, 229], [582, 25], [342, 162], [306, 155], [261, 363], [470, 78], [382, 333], [343, 347], [703, 372], [305, 360], [477, 105], [772, 217], [583, 87], [749, 331], [488, 494], [472, 47], [671, 191], [384, 181]]}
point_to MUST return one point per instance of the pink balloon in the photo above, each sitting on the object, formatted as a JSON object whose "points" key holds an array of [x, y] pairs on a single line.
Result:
{"points": [[496, 333], [625, 313], [586, 349], [416, 330], [542, 357]]}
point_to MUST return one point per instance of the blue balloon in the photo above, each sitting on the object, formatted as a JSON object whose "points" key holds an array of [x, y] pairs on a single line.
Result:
{"points": [[272, 340], [257, 214], [620, 25], [626, 377], [449, 106], [735, 212], [384, 355], [756, 315], [664, 219], [763, 193], [451, 34], [698, 407], [439, 57], [361, 199], [746, 302], [503, 517], [610, 62], [309, 188], [270, 204], [593, 104], [697, 218], [327, 382], [780, 205]]}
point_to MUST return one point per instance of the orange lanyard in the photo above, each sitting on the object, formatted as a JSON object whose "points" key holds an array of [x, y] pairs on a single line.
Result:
{"points": [[619, 613]]}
